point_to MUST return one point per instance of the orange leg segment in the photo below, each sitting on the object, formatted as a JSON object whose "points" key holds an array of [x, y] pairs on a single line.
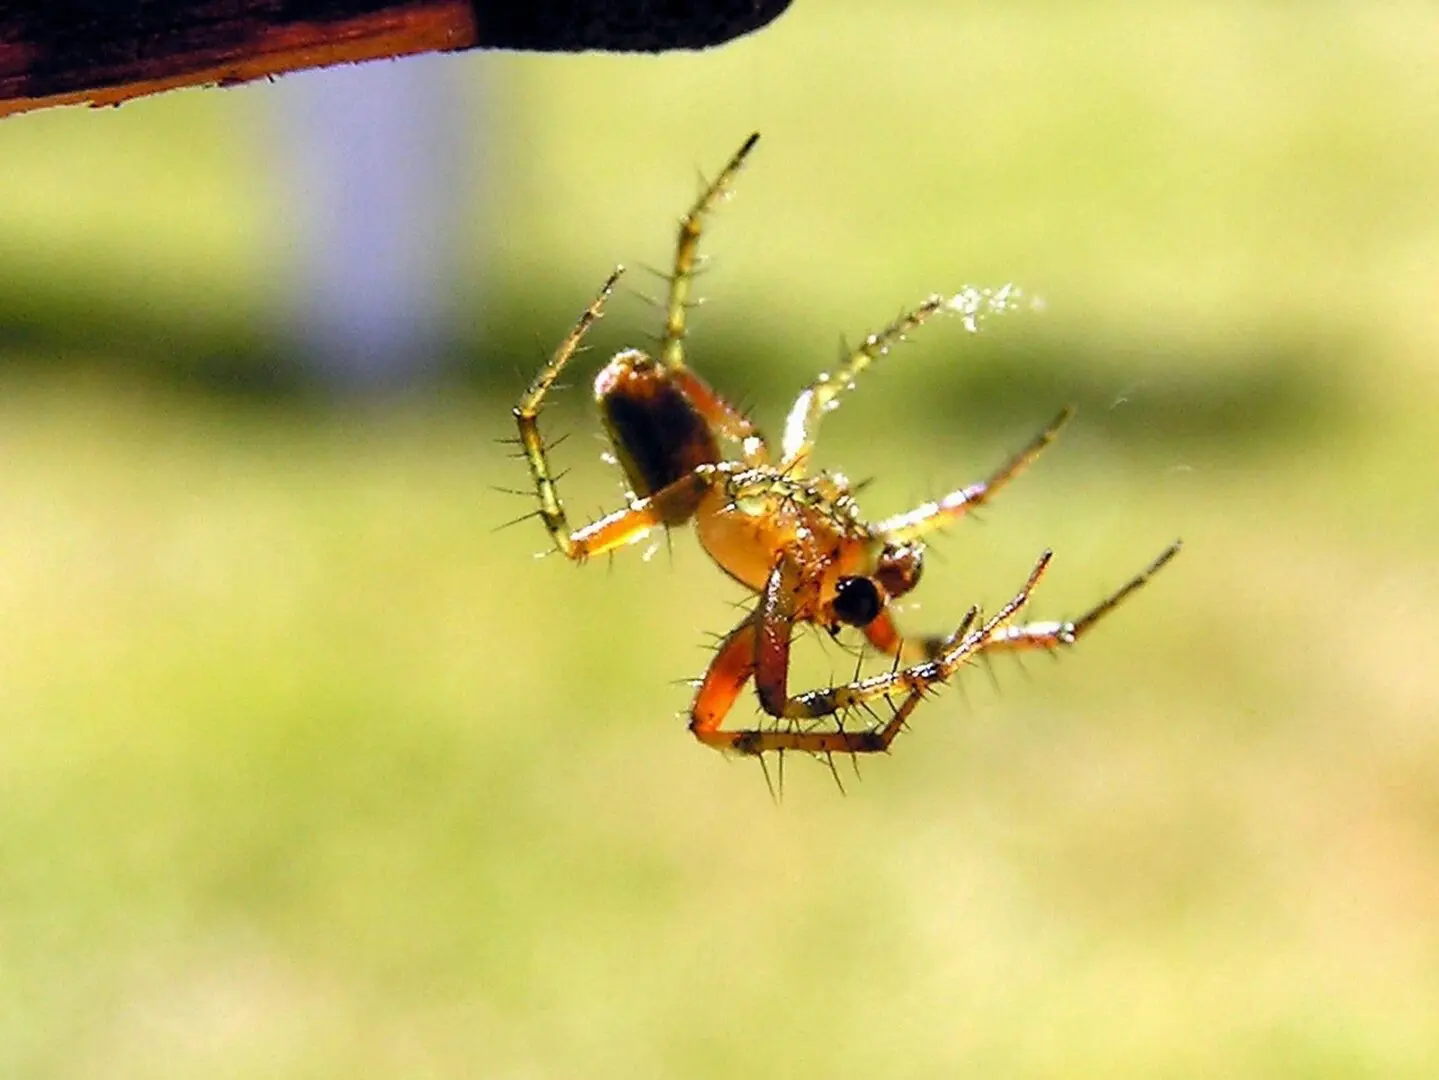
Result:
{"points": [[731, 668], [722, 417], [671, 505], [884, 635]]}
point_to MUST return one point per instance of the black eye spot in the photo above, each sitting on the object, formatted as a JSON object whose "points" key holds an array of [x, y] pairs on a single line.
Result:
{"points": [[856, 601]]}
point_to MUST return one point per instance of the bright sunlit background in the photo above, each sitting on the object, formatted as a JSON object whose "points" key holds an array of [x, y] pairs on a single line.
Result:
{"points": [[308, 771]]}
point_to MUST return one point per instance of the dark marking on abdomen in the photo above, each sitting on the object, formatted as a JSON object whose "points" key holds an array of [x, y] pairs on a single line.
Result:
{"points": [[657, 434]]}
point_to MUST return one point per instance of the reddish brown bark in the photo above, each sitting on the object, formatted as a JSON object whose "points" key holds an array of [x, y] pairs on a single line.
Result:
{"points": [[103, 52]]}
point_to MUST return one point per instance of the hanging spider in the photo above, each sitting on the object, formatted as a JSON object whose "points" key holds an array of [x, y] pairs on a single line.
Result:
{"points": [[795, 539]]}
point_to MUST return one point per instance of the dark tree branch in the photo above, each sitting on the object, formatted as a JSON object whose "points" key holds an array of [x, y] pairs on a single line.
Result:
{"points": [[103, 52]]}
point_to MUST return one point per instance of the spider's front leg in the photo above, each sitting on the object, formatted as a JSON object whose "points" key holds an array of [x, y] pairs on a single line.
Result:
{"points": [[759, 648], [1054, 633], [735, 663], [1048, 635]]}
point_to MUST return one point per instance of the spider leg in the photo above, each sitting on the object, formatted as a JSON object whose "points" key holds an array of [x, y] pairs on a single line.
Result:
{"points": [[802, 424], [746, 651], [527, 412], [884, 635], [776, 629], [758, 648], [731, 668], [1052, 634], [673, 504], [721, 416], [915, 523], [691, 225]]}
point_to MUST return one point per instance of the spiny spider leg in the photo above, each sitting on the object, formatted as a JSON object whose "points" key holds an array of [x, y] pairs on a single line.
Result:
{"points": [[884, 635], [743, 654], [1050, 635], [527, 412], [672, 349], [673, 503], [802, 424], [915, 523], [722, 417], [776, 629], [723, 680]]}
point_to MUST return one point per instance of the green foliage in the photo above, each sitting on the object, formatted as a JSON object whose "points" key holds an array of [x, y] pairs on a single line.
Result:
{"points": [[309, 772]]}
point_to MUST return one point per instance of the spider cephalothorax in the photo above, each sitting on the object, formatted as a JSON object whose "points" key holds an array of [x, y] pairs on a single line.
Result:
{"points": [[797, 540]]}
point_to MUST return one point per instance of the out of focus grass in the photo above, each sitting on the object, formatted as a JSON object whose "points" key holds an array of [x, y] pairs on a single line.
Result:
{"points": [[307, 771]]}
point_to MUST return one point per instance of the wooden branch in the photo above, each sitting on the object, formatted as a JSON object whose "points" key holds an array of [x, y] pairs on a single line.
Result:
{"points": [[103, 52]]}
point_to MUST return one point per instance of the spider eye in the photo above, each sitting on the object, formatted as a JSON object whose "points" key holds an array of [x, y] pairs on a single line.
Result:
{"points": [[856, 601]]}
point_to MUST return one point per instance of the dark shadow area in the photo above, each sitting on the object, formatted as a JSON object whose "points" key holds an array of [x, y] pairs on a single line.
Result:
{"points": [[1280, 389]]}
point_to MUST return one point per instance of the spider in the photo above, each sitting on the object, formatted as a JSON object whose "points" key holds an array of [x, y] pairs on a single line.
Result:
{"points": [[796, 540]]}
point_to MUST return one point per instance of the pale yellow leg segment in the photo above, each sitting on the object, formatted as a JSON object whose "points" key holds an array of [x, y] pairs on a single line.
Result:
{"points": [[1048, 635], [723, 417], [527, 412], [672, 350]]}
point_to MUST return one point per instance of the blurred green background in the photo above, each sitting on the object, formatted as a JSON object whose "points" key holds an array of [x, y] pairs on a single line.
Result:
{"points": [[308, 771]]}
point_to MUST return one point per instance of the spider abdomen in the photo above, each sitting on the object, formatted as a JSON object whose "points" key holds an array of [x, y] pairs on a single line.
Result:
{"points": [[657, 433]]}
